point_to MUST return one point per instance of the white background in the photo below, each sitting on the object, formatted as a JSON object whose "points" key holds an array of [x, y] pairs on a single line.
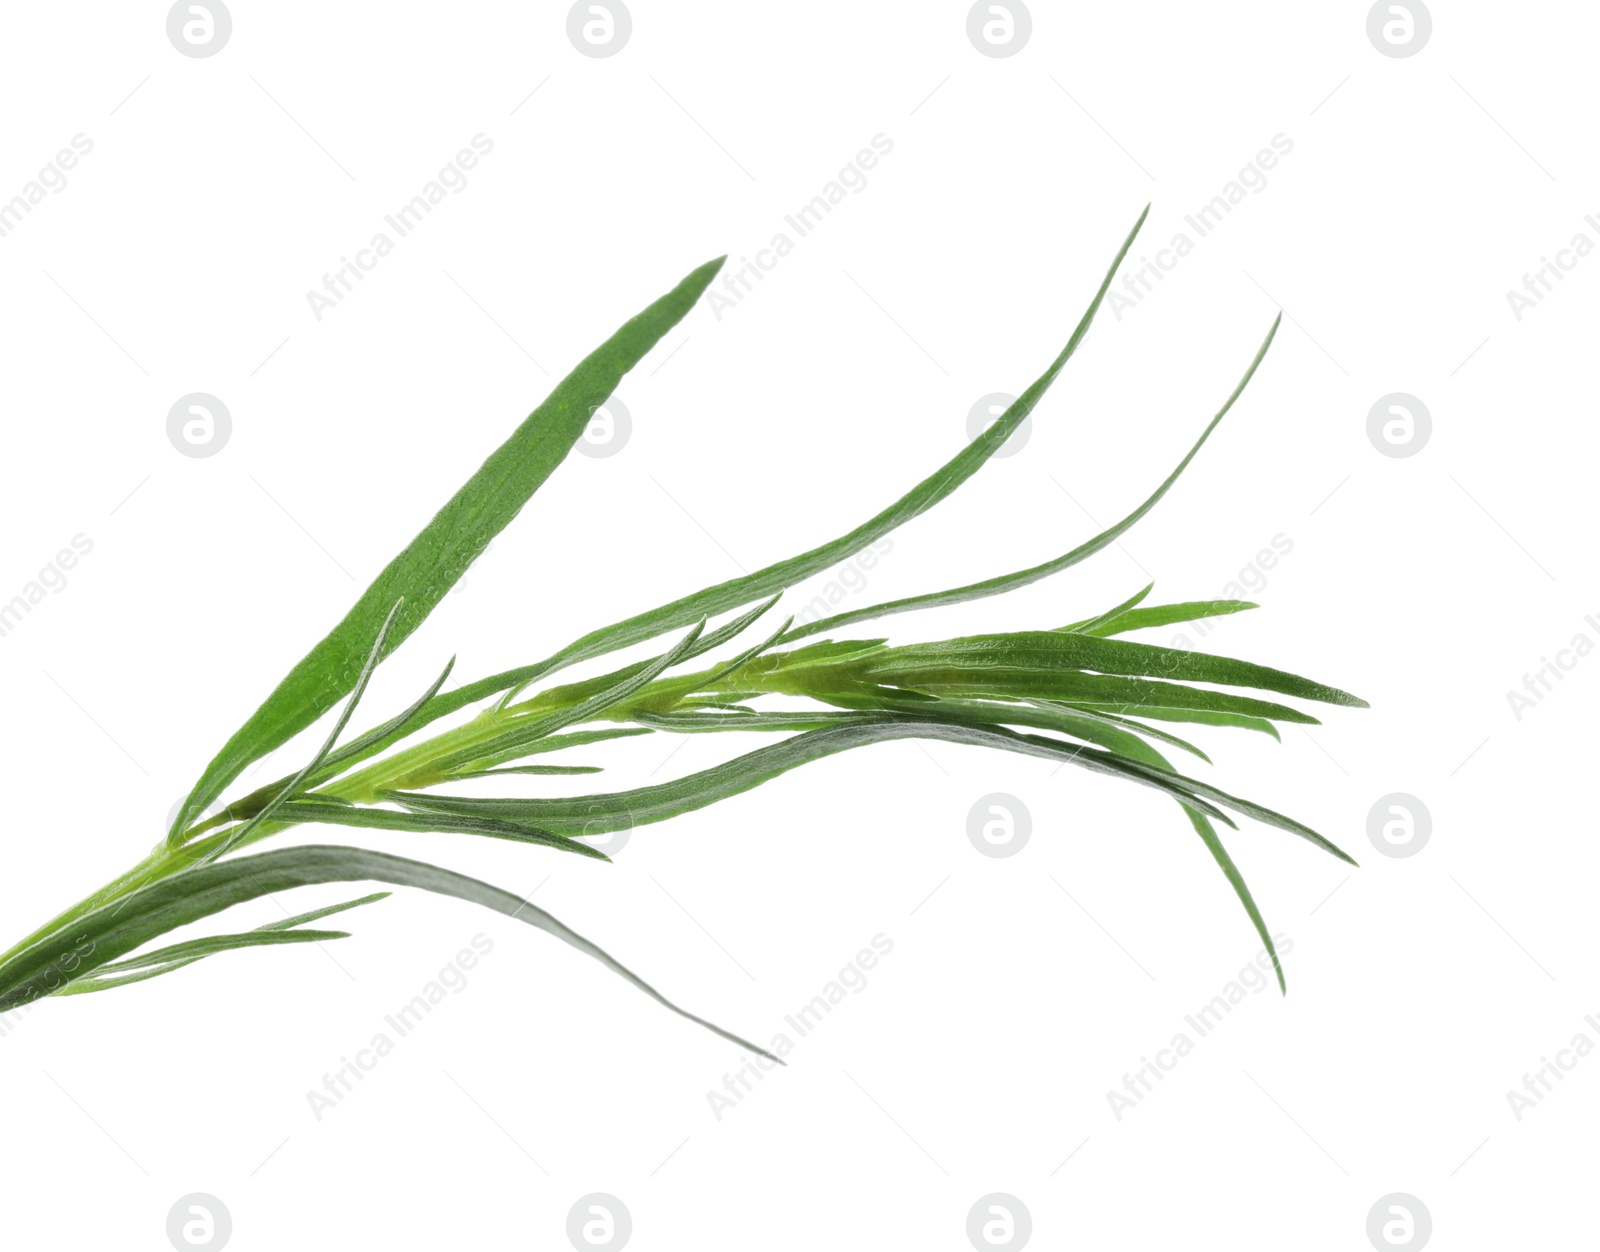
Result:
{"points": [[1019, 991]]}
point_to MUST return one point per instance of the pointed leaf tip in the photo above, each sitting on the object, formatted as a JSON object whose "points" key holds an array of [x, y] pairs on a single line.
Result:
{"points": [[425, 570]]}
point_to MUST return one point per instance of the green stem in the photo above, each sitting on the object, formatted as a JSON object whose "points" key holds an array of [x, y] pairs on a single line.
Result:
{"points": [[408, 769]]}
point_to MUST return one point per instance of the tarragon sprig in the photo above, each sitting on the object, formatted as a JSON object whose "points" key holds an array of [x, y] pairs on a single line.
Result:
{"points": [[1077, 694]]}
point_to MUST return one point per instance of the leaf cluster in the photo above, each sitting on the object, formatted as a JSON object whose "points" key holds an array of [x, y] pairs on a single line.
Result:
{"points": [[1080, 694]]}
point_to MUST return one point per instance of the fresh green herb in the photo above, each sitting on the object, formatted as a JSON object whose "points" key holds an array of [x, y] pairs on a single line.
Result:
{"points": [[1076, 694]]}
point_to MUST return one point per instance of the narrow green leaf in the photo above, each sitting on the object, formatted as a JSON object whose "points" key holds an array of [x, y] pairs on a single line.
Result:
{"points": [[430, 565], [1149, 732], [316, 915], [84, 986], [708, 642], [1096, 728], [694, 723], [1206, 717], [828, 652], [176, 957], [1164, 615], [783, 574], [536, 727], [553, 743], [272, 805], [368, 818], [194, 949], [1090, 626], [1050, 650], [1010, 582], [597, 814], [1204, 791], [1230, 871], [463, 775], [666, 692], [1103, 692], [106, 933], [396, 727], [744, 658]]}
